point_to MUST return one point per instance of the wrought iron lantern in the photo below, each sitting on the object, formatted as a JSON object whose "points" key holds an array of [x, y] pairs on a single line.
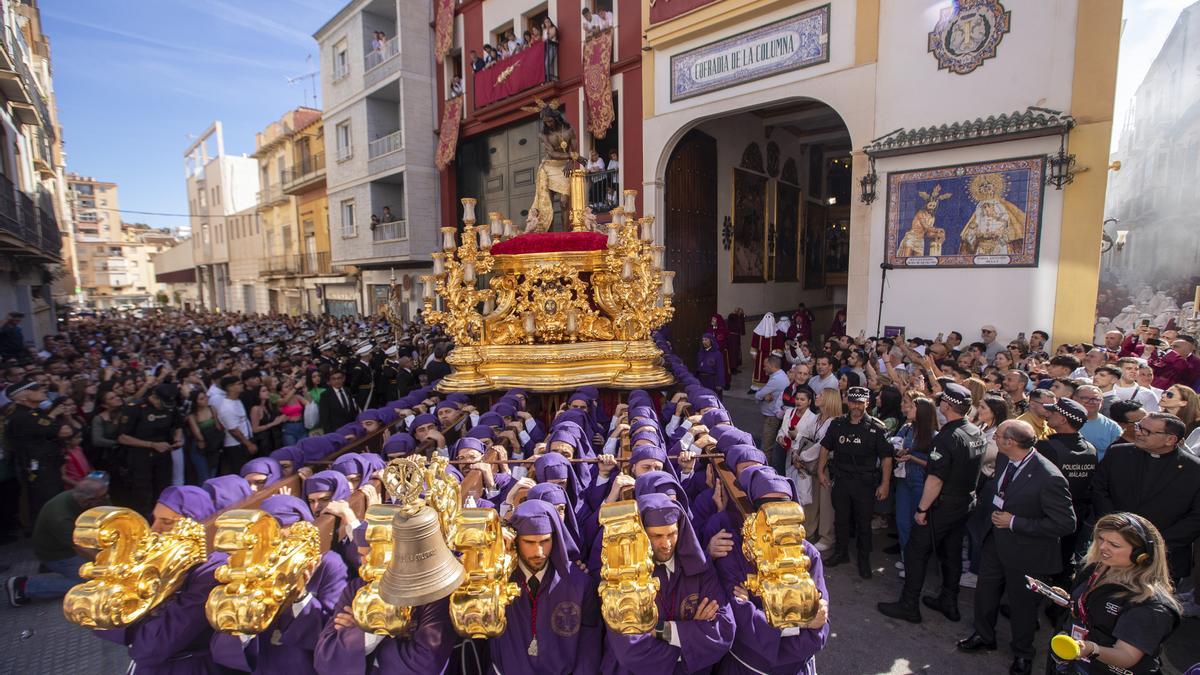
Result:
{"points": [[1062, 167], [867, 184], [727, 233]]}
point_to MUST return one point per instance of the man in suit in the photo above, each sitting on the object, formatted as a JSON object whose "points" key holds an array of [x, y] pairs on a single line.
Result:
{"points": [[1029, 509], [1155, 479], [337, 406]]}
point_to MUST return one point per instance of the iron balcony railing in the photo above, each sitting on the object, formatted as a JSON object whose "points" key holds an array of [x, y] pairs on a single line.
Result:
{"points": [[301, 264], [386, 52], [395, 229], [308, 168], [384, 145], [604, 190], [21, 217], [270, 194]]}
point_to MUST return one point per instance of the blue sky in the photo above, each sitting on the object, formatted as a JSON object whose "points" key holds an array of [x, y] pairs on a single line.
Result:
{"points": [[134, 78]]}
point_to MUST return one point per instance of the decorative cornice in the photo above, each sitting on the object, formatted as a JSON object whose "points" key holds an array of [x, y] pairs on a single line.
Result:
{"points": [[1032, 123]]}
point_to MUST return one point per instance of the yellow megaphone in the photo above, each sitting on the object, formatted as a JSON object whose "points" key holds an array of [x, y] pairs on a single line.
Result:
{"points": [[1066, 647]]}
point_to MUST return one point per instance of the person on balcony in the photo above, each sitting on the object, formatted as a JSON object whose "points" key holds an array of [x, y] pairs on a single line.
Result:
{"points": [[551, 33]]}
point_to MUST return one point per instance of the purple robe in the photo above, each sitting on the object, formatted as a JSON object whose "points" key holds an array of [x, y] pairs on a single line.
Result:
{"points": [[287, 645], [425, 651], [174, 638], [710, 365], [566, 621]]}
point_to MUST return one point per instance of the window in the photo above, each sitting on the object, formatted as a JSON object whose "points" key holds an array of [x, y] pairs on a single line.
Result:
{"points": [[344, 148], [341, 61], [203, 198], [204, 229], [349, 228], [282, 167]]}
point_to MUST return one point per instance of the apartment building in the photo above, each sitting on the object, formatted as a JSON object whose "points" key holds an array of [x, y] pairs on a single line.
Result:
{"points": [[246, 239], [218, 187], [175, 273], [381, 180], [32, 191], [304, 180]]}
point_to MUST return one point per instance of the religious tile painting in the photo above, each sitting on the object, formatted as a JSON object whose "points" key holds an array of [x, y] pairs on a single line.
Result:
{"points": [[786, 261], [967, 34], [749, 249], [987, 214]]}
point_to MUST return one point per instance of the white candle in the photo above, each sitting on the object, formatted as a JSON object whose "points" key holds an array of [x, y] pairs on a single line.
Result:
{"points": [[485, 238], [612, 235], [448, 238], [509, 232], [530, 327], [468, 269], [668, 283], [439, 262], [489, 306], [647, 227], [497, 227], [572, 320], [631, 201], [618, 218], [428, 283], [657, 252], [627, 269], [468, 204]]}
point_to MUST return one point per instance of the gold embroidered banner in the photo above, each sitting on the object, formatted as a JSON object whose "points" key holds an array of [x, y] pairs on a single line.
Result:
{"points": [[444, 29], [597, 82], [448, 132]]}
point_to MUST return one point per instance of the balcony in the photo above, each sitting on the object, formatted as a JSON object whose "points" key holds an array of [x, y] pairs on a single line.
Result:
{"points": [[378, 57], [304, 174], [386, 145], [270, 195], [26, 229], [303, 264], [390, 231]]}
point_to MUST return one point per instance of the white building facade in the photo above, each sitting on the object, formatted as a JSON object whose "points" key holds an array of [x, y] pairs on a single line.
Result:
{"points": [[378, 113]]}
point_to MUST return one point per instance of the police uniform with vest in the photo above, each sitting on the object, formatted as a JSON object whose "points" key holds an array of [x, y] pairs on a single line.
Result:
{"points": [[856, 451], [1075, 457], [32, 435], [955, 457], [150, 470], [1104, 613]]}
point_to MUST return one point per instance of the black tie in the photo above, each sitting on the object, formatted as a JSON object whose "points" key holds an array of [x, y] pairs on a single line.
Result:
{"points": [[534, 583], [1007, 477], [342, 398]]}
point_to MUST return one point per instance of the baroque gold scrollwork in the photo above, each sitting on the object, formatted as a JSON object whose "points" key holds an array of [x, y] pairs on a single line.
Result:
{"points": [[371, 613], [628, 585], [773, 540]]}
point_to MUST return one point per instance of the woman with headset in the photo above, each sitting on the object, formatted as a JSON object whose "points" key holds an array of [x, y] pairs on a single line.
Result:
{"points": [[1121, 604]]}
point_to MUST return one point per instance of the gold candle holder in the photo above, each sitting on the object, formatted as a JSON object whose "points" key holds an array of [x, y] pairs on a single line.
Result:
{"points": [[631, 201], [439, 262], [468, 204], [509, 232], [448, 238], [578, 200]]}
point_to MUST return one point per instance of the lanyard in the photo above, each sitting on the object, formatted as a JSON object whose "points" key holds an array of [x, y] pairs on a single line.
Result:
{"points": [[533, 603], [1081, 604]]}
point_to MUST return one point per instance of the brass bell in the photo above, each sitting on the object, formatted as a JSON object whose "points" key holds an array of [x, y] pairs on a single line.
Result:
{"points": [[422, 569]]}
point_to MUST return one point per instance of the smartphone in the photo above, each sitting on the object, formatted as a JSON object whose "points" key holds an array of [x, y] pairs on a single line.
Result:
{"points": [[1047, 591], [1145, 323]]}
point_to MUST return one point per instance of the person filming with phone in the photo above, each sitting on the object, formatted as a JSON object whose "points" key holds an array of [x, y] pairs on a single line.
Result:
{"points": [[1121, 604]]}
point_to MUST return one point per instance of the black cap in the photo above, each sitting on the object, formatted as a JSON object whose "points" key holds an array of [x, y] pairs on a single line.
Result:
{"points": [[858, 394], [956, 394], [1072, 410], [26, 384], [166, 391]]}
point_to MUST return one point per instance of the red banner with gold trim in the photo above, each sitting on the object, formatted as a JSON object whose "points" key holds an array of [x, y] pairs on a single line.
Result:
{"points": [[597, 82], [448, 132], [443, 22]]}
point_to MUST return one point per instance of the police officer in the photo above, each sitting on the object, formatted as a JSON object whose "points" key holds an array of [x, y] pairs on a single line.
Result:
{"points": [[857, 451], [328, 359], [1075, 457], [941, 519], [150, 430], [33, 436], [361, 377], [387, 383]]}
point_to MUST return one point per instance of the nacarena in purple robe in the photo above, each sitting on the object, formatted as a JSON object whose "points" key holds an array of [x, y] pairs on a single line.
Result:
{"points": [[759, 647], [710, 364], [288, 644], [562, 619], [423, 650], [697, 645], [175, 637]]}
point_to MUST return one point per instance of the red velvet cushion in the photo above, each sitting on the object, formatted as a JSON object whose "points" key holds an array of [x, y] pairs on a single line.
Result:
{"points": [[551, 242]]}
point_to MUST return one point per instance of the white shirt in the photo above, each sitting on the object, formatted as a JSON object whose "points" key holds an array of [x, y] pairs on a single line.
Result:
{"points": [[819, 384], [613, 165], [595, 164], [1137, 392], [233, 416]]}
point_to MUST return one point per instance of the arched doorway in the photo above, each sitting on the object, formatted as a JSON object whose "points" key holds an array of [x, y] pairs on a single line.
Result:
{"points": [[756, 208], [690, 198]]}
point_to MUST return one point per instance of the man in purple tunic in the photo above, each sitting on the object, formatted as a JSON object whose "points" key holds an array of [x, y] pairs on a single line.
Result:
{"points": [[696, 625], [424, 649], [174, 638], [554, 625], [759, 647], [287, 645]]}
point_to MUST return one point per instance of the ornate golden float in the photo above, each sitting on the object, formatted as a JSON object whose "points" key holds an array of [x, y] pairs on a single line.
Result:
{"points": [[773, 540], [549, 311], [627, 582]]}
